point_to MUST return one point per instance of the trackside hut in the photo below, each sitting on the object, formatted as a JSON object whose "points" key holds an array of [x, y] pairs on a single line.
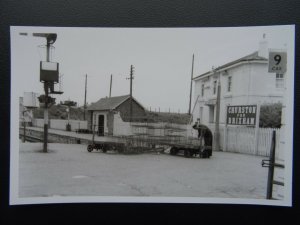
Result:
{"points": [[101, 113], [244, 82]]}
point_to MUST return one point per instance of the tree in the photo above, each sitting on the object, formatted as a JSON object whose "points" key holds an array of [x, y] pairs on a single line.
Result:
{"points": [[270, 115]]}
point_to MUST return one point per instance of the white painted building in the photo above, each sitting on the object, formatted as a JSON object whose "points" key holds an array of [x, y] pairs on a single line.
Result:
{"points": [[28, 102], [245, 81]]}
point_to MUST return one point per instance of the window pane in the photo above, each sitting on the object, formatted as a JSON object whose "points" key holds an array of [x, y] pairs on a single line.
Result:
{"points": [[215, 87], [229, 84], [279, 81]]}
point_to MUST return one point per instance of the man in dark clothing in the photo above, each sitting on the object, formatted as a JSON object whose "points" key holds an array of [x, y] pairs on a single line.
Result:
{"points": [[204, 131]]}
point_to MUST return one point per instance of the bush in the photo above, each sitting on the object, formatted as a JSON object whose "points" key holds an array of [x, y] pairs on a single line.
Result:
{"points": [[270, 115]]}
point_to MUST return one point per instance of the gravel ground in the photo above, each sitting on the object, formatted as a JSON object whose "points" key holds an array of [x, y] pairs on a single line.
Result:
{"points": [[69, 170]]}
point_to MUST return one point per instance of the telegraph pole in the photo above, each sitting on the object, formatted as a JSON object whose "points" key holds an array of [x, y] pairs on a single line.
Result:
{"points": [[191, 85], [110, 85], [84, 107], [217, 128], [131, 78]]}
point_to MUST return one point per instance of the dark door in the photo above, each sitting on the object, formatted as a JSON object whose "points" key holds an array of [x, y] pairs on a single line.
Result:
{"points": [[101, 125]]}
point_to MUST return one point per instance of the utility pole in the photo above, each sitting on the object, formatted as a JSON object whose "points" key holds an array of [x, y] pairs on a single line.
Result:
{"points": [[217, 127], [85, 90], [110, 85], [191, 85], [131, 78]]}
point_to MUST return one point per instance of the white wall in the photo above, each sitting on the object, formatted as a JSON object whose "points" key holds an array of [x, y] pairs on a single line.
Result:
{"points": [[121, 128], [38, 122], [61, 124]]}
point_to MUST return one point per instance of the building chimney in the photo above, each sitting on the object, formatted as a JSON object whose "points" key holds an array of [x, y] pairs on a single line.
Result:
{"points": [[263, 48]]}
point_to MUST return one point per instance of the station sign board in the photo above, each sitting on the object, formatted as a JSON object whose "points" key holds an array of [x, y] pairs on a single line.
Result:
{"points": [[277, 62], [241, 115]]}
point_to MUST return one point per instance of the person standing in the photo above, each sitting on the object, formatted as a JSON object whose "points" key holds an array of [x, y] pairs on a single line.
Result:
{"points": [[204, 132]]}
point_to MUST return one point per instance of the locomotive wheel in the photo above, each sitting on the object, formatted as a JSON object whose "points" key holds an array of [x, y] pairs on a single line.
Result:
{"points": [[90, 148]]}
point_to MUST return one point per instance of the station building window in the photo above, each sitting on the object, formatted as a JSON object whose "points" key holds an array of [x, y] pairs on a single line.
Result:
{"points": [[211, 114], [229, 84], [202, 90], [215, 87], [279, 81]]}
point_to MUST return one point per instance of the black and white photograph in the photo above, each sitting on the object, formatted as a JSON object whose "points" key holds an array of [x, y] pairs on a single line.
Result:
{"points": [[152, 115]]}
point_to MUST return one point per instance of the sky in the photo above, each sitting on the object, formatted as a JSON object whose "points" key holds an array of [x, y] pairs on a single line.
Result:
{"points": [[162, 60]]}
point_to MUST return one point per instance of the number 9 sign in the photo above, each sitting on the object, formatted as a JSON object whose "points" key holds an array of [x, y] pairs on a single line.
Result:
{"points": [[277, 58], [277, 62]]}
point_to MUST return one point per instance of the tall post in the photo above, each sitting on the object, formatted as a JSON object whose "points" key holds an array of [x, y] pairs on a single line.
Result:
{"points": [[85, 90], [271, 166], [225, 131], [110, 85], [256, 139], [131, 78], [46, 88], [191, 86], [217, 127]]}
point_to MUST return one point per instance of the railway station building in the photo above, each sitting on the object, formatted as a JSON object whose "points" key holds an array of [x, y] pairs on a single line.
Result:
{"points": [[244, 81]]}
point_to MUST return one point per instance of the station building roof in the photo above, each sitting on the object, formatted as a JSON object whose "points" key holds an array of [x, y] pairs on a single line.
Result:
{"points": [[110, 103], [246, 59]]}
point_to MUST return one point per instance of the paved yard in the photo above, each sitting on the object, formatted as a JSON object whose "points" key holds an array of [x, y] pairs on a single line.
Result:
{"points": [[69, 170]]}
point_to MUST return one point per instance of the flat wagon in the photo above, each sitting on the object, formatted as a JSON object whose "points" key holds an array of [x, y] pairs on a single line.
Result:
{"points": [[177, 145]]}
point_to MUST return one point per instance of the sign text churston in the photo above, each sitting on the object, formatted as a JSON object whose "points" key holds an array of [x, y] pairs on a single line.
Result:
{"points": [[241, 115]]}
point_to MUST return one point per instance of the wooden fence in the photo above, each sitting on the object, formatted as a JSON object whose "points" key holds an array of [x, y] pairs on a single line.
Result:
{"points": [[244, 140]]}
